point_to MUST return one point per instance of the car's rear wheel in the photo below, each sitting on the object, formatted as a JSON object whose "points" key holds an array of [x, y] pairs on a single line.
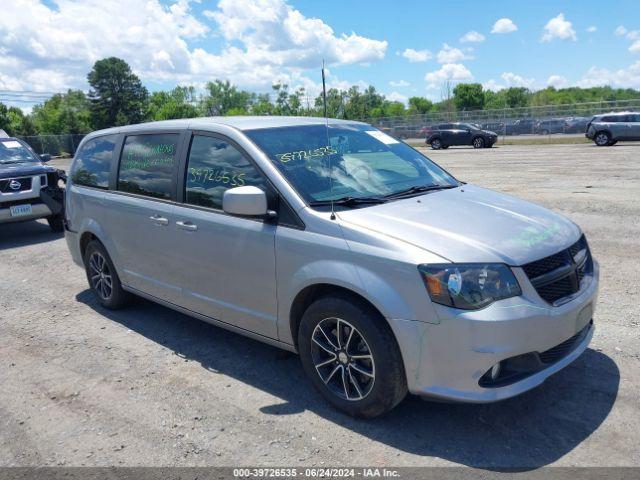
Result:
{"points": [[436, 144], [602, 139], [351, 356], [103, 278], [544, 132], [478, 142], [56, 223]]}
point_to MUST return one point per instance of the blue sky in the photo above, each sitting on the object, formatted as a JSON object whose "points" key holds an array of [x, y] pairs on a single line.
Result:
{"points": [[403, 48]]}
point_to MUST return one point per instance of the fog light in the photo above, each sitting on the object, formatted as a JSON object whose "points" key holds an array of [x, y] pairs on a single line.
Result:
{"points": [[495, 371]]}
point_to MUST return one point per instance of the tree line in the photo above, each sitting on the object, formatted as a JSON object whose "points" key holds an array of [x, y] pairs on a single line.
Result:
{"points": [[118, 97]]}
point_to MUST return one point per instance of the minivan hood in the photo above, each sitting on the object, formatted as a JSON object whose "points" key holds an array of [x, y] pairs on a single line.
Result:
{"points": [[470, 224]]}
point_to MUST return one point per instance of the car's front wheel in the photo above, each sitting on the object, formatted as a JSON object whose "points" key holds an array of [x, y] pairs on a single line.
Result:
{"points": [[602, 139], [351, 356], [478, 142], [103, 278], [436, 144]]}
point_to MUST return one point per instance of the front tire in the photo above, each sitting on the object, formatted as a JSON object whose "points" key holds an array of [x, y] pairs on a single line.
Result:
{"points": [[103, 278], [478, 142], [602, 139], [436, 144], [56, 223], [350, 355]]}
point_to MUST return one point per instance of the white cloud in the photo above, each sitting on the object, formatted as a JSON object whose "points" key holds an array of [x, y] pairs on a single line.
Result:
{"points": [[54, 47], [454, 72], [557, 81], [450, 54], [397, 97], [493, 85], [592, 29], [513, 80], [622, 78], [635, 47], [504, 25], [472, 37], [399, 83], [559, 28], [415, 56], [620, 31], [633, 35]]}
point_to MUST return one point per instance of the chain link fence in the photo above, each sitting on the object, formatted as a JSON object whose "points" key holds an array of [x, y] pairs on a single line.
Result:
{"points": [[542, 121], [55, 145]]}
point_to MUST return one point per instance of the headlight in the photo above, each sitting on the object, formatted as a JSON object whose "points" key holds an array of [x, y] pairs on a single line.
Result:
{"points": [[469, 286]]}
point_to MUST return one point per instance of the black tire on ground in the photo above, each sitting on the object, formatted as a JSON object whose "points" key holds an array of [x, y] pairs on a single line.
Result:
{"points": [[544, 132], [103, 278], [56, 223], [436, 144], [602, 139], [362, 330], [478, 142]]}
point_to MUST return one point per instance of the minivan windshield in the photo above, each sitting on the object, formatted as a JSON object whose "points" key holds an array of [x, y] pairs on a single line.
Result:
{"points": [[12, 151], [348, 161]]}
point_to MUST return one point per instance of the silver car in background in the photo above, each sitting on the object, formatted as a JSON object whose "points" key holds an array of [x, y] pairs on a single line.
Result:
{"points": [[341, 243], [608, 129]]}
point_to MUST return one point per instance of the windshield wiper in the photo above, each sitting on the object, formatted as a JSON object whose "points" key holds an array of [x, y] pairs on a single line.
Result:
{"points": [[348, 201], [418, 189]]}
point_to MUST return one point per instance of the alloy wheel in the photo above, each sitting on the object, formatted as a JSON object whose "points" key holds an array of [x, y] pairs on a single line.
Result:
{"points": [[342, 358], [101, 280], [602, 139]]}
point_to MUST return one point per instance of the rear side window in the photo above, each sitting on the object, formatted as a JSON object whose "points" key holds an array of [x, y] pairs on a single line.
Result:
{"points": [[614, 118], [215, 166], [92, 164], [148, 164]]}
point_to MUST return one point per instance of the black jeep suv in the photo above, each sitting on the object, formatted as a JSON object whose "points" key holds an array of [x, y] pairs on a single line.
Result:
{"points": [[28, 188], [449, 134]]}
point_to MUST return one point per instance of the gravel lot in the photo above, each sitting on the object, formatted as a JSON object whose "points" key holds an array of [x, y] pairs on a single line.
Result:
{"points": [[148, 386]]}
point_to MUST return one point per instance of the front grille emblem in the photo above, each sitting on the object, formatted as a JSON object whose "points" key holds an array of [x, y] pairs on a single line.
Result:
{"points": [[15, 185]]}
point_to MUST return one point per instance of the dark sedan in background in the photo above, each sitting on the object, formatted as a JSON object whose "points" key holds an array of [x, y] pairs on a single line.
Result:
{"points": [[450, 134]]}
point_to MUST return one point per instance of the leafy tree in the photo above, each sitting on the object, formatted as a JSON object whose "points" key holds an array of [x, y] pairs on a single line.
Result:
{"points": [[419, 105], [222, 97], [262, 105], [63, 113], [15, 122], [517, 97], [177, 103], [468, 96], [117, 96]]}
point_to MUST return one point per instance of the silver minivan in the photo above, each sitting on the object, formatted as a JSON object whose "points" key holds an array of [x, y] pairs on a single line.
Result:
{"points": [[339, 242]]}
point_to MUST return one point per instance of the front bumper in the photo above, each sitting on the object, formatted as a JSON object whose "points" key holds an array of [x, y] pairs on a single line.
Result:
{"points": [[447, 360], [38, 210]]}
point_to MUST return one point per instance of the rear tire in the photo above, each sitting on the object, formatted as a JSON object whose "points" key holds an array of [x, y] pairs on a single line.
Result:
{"points": [[602, 139], [103, 278], [478, 142], [436, 144], [351, 356], [56, 223]]}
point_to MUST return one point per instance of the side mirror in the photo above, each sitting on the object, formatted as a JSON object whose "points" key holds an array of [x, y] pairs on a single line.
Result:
{"points": [[45, 157], [245, 201]]}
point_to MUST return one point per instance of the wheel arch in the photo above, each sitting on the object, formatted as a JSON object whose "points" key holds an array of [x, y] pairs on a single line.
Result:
{"points": [[309, 294]]}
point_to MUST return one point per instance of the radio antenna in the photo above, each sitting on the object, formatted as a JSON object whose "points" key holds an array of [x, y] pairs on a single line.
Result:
{"points": [[326, 123]]}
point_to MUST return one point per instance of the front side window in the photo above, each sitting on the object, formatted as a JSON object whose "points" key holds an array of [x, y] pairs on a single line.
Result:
{"points": [[92, 164], [148, 164], [215, 166], [14, 151], [347, 160]]}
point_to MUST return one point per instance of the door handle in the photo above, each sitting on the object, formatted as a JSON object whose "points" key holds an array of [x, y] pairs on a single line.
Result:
{"points": [[192, 227], [158, 220]]}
